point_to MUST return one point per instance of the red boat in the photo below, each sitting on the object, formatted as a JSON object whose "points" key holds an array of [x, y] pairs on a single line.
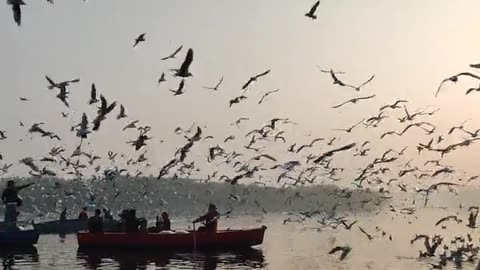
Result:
{"points": [[178, 240]]}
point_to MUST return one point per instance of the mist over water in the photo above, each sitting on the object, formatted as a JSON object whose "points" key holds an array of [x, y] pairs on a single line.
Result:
{"points": [[183, 197]]}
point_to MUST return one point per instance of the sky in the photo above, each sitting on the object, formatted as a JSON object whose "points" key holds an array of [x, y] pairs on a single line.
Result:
{"points": [[410, 46]]}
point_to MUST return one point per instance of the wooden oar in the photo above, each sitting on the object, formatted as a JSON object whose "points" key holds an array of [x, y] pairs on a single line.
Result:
{"points": [[194, 237]]}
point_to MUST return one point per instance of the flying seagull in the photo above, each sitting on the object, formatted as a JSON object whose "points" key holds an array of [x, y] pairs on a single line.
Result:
{"points": [[311, 13], [179, 89], [173, 54], [254, 78], [183, 71], [93, 95], [454, 79], [161, 79], [140, 38], [237, 100], [17, 12], [353, 100], [266, 95], [122, 113], [216, 86]]}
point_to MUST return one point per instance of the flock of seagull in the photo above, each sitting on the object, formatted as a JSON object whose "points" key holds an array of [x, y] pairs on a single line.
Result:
{"points": [[305, 166]]}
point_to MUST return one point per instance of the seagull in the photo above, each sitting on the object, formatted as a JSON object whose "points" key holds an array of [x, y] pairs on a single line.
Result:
{"points": [[266, 95], [216, 86], [357, 88], [140, 38], [103, 110], [353, 100], [93, 95], [61, 85], [132, 124], [394, 105], [239, 120], [173, 54], [183, 71], [237, 100], [311, 13], [264, 156], [447, 218], [254, 78], [179, 89], [83, 131], [63, 95], [331, 152], [454, 79], [122, 113], [345, 251], [348, 130], [162, 78], [17, 12], [476, 89]]}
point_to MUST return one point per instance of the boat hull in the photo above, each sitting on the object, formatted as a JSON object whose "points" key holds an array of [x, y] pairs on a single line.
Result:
{"points": [[231, 239], [67, 226], [60, 227], [18, 238]]}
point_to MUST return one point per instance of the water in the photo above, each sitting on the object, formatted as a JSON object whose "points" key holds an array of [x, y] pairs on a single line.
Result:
{"points": [[286, 246], [292, 241]]}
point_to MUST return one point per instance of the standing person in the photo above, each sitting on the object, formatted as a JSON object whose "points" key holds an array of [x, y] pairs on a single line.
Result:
{"points": [[63, 214], [95, 223], [11, 200], [210, 219], [163, 224], [83, 214]]}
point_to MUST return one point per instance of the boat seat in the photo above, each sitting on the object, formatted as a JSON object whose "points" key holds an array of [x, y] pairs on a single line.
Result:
{"points": [[167, 232]]}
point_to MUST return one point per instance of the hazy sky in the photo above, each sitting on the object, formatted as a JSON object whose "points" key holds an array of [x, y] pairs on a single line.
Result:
{"points": [[409, 45]]}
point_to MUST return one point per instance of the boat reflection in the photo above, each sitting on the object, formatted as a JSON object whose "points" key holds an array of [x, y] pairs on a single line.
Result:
{"points": [[95, 258], [13, 257]]}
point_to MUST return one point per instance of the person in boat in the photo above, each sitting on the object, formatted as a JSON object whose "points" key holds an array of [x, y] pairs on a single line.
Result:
{"points": [[95, 223], [83, 214], [11, 200], [131, 221], [210, 219], [107, 215], [162, 224], [63, 214]]}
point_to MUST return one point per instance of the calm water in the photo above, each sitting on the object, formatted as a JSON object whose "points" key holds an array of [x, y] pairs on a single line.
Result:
{"points": [[286, 246]]}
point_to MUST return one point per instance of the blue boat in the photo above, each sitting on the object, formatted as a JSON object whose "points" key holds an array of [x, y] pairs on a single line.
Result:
{"points": [[18, 238]]}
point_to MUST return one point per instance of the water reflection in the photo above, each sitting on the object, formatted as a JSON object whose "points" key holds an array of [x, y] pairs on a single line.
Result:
{"points": [[12, 257], [94, 258]]}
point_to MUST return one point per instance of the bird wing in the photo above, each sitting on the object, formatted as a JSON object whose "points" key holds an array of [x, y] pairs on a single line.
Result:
{"points": [[262, 74], [93, 92], [366, 82], [248, 83], [314, 7], [17, 14], [111, 107], [188, 61], [52, 83], [341, 104], [174, 53]]}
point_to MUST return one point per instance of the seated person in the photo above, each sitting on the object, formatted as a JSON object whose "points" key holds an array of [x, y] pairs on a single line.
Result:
{"points": [[83, 214], [131, 221], [107, 215], [210, 219], [95, 223], [165, 224], [162, 224]]}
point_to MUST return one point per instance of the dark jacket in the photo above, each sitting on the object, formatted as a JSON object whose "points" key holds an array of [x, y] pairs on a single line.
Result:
{"points": [[95, 224]]}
